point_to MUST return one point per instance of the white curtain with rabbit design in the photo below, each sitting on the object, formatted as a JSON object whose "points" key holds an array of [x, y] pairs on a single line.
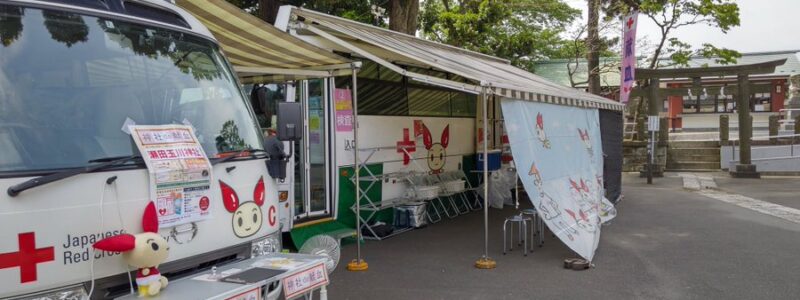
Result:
{"points": [[558, 153]]}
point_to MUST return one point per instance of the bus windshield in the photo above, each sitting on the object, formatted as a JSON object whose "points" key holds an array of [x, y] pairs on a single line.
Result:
{"points": [[68, 83]]}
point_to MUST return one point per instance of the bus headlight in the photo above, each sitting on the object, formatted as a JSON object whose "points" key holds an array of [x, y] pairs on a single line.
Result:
{"points": [[269, 244], [75, 292]]}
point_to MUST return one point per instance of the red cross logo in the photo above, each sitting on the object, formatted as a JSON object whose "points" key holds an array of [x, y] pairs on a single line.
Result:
{"points": [[27, 258], [409, 145], [630, 23]]}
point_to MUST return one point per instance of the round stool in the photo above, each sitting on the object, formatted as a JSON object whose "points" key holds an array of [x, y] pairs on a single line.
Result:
{"points": [[537, 226], [522, 223]]}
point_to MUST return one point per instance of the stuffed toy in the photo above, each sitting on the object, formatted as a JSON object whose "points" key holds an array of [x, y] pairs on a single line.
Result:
{"points": [[144, 250]]}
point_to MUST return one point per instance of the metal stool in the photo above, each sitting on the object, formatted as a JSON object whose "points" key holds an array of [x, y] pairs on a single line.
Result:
{"points": [[537, 226], [522, 223]]}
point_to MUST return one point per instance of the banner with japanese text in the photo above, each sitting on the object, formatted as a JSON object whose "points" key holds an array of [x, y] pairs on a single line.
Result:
{"points": [[628, 68], [180, 172]]}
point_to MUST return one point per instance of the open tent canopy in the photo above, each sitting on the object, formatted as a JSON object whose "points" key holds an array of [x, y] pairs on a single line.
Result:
{"points": [[554, 131], [258, 51]]}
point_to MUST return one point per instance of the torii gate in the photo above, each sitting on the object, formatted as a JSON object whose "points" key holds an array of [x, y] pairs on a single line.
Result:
{"points": [[745, 168]]}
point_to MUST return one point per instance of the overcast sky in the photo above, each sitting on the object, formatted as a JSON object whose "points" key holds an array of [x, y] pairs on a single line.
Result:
{"points": [[766, 25]]}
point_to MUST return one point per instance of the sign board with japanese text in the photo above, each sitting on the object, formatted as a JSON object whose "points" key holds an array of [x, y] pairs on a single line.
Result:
{"points": [[180, 172], [628, 68], [344, 110], [305, 281]]}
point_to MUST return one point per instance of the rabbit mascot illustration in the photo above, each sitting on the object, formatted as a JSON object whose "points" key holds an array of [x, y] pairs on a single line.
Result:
{"points": [[540, 133], [145, 251]]}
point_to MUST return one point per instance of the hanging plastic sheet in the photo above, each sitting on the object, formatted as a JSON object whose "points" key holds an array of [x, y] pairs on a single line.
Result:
{"points": [[559, 155]]}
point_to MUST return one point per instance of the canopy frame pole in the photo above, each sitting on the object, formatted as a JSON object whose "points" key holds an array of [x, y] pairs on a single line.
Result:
{"points": [[485, 262], [358, 264]]}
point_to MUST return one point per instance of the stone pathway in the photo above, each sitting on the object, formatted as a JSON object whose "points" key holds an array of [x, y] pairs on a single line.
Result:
{"points": [[705, 185]]}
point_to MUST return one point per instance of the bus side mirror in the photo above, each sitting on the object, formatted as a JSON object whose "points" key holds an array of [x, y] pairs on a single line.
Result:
{"points": [[290, 121]]}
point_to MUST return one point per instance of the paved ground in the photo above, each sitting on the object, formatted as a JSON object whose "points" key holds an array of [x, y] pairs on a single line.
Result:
{"points": [[779, 190], [666, 243]]}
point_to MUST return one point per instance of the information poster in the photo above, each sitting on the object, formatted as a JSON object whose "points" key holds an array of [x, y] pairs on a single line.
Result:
{"points": [[344, 110], [180, 172]]}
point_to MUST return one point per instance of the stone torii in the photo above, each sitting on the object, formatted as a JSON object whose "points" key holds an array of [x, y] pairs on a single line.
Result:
{"points": [[745, 168]]}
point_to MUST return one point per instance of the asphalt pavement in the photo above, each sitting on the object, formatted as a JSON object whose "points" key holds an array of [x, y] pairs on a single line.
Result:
{"points": [[666, 243]]}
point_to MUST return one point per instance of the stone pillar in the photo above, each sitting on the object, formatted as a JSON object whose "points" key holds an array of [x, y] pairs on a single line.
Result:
{"points": [[663, 131], [641, 128], [653, 102], [773, 128], [745, 168], [724, 129], [797, 124]]}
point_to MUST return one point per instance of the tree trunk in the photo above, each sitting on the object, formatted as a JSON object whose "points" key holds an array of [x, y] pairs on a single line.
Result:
{"points": [[403, 16], [268, 10], [593, 47]]}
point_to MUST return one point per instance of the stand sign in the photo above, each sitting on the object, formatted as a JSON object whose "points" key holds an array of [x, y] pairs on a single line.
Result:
{"points": [[180, 172], [305, 281]]}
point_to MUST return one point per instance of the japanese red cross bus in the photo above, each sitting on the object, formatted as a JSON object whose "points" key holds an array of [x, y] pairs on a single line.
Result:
{"points": [[73, 75]]}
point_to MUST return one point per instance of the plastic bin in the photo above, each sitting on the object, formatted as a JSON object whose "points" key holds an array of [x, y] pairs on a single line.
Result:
{"points": [[494, 160]]}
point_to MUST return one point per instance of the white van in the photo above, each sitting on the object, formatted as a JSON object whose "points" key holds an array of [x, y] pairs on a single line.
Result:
{"points": [[72, 73]]}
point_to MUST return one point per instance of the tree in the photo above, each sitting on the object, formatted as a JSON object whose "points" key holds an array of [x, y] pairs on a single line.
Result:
{"points": [[357, 10], [593, 46], [522, 31], [403, 16], [670, 15], [575, 50]]}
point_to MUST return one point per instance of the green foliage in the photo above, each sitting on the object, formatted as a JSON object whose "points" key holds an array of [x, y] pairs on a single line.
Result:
{"points": [[669, 15], [357, 10], [522, 31]]}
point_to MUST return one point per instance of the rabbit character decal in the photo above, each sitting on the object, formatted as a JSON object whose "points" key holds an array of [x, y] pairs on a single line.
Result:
{"points": [[144, 250], [437, 152], [247, 216], [540, 131]]}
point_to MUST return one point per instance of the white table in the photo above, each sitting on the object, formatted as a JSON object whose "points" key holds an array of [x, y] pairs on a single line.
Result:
{"points": [[192, 288]]}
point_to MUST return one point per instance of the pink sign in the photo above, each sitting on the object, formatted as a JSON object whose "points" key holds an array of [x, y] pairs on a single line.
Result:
{"points": [[627, 73], [344, 110]]}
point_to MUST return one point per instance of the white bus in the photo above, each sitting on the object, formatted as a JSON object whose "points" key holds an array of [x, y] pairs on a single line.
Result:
{"points": [[72, 73]]}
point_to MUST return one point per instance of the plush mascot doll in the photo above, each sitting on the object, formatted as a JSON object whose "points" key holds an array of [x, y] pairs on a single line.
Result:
{"points": [[144, 250]]}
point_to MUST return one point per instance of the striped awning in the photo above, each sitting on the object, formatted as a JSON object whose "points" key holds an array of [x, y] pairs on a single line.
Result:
{"points": [[260, 52], [497, 75]]}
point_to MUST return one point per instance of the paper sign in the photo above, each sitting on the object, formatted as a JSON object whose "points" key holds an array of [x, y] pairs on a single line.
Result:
{"points": [[305, 281], [254, 294], [628, 69], [344, 110], [180, 172]]}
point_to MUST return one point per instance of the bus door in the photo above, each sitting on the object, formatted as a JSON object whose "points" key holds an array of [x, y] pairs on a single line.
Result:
{"points": [[313, 170]]}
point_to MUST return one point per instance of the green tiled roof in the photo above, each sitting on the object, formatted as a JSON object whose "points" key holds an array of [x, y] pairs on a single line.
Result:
{"points": [[556, 69]]}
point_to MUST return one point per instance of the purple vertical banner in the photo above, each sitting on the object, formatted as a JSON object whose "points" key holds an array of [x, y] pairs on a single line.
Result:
{"points": [[343, 102], [627, 71]]}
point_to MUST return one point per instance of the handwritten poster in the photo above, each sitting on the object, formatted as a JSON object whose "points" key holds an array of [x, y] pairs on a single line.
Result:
{"points": [[628, 56], [180, 172], [344, 110]]}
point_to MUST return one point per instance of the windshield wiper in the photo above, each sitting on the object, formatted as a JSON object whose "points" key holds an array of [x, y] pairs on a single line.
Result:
{"points": [[103, 163], [236, 154]]}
